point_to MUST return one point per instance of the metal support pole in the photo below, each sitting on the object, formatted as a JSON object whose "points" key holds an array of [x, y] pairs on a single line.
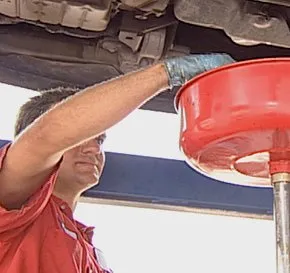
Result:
{"points": [[281, 188]]}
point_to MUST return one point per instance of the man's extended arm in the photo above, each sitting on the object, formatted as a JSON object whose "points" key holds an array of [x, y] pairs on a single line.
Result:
{"points": [[37, 150]]}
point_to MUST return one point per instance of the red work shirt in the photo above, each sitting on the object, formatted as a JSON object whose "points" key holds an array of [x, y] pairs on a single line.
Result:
{"points": [[43, 237]]}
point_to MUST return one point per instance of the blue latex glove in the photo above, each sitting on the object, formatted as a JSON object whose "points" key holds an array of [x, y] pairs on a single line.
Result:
{"points": [[182, 69]]}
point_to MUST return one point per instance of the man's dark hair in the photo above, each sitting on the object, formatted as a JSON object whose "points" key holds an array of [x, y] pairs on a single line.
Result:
{"points": [[38, 105]]}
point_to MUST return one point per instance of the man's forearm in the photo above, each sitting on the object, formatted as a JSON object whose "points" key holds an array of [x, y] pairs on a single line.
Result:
{"points": [[95, 109]]}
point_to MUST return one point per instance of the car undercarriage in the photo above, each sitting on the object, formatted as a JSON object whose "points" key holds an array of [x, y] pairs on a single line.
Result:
{"points": [[45, 44]]}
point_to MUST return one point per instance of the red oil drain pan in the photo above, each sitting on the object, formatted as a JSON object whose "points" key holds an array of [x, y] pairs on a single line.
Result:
{"points": [[234, 117]]}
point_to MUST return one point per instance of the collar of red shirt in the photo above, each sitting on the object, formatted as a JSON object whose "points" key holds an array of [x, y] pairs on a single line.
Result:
{"points": [[87, 230]]}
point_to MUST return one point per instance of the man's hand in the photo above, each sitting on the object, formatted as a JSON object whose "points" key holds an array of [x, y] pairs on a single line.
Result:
{"points": [[182, 69]]}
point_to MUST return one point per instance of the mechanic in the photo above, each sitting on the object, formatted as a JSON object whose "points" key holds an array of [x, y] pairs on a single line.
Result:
{"points": [[57, 155]]}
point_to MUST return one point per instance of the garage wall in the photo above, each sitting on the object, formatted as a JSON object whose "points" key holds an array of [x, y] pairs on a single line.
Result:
{"points": [[138, 240]]}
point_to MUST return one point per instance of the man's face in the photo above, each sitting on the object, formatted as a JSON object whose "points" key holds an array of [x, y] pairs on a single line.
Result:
{"points": [[82, 166]]}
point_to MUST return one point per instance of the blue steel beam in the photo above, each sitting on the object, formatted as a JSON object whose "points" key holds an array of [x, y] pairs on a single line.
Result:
{"points": [[158, 182]]}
